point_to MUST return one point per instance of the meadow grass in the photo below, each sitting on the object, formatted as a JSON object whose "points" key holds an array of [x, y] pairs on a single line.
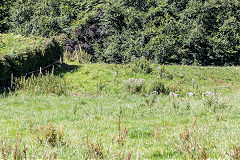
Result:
{"points": [[99, 118]]}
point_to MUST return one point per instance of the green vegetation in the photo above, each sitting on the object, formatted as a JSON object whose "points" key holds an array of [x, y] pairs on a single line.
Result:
{"points": [[201, 32], [16, 44], [20, 55], [96, 117], [4, 15], [116, 98]]}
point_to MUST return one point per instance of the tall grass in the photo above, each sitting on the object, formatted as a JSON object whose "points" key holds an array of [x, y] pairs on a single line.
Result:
{"points": [[113, 123], [43, 84]]}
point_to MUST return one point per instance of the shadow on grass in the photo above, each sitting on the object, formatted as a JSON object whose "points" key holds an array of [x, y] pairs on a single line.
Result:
{"points": [[59, 70], [4, 93], [65, 68]]}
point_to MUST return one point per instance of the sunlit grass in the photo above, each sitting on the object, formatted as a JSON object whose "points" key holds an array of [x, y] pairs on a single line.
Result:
{"points": [[98, 110]]}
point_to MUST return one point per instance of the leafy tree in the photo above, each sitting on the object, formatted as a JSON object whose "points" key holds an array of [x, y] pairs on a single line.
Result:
{"points": [[197, 32]]}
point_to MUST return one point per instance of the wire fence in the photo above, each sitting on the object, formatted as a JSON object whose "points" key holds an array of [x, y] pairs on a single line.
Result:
{"points": [[6, 82]]}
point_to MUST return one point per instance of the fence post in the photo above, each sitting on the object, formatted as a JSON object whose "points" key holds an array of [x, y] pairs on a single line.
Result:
{"points": [[53, 70], [12, 81], [61, 61], [40, 71]]}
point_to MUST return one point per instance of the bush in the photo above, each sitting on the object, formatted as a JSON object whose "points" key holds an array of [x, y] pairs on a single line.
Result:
{"points": [[141, 65], [78, 55], [159, 87], [4, 15], [135, 85], [20, 55]]}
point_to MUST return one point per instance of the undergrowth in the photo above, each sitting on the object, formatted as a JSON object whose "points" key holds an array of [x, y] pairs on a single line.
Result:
{"points": [[43, 84]]}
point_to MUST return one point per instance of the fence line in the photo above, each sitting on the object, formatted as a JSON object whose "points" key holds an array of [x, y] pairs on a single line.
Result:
{"points": [[25, 74]]}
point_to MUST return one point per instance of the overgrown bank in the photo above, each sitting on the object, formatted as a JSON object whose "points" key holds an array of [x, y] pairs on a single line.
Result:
{"points": [[20, 55]]}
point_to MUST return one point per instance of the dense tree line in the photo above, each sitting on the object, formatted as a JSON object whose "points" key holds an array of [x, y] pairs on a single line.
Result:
{"points": [[202, 32]]}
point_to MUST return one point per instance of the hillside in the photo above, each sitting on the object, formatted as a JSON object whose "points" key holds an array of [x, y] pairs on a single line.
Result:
{"points": [[97, 116], [119, 79]]}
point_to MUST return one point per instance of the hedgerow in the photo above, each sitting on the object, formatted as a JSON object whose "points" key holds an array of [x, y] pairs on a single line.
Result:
{"points": [[19, 55], [166, 31]]}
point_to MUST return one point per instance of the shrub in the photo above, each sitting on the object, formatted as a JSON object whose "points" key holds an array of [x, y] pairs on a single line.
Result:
{"points": [[141, 65], [20, 55], [158, 87], [50, 135], [135, 85]]}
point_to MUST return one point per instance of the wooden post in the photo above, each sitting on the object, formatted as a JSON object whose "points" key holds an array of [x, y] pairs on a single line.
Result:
{"points": [[53, 70], [12, 81], [40, 71]]}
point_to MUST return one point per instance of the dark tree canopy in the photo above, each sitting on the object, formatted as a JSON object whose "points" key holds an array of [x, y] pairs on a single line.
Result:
{"points": [[202, 32]]}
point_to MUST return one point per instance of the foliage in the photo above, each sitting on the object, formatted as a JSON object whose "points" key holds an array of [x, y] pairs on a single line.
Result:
{"points": [[158, 87], [42, 84], [86, 39], [20, 55], [135, 85], [165, 31], [4, 15], [141, 65]]}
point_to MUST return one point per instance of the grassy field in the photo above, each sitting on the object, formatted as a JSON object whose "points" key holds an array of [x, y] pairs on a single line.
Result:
{"points": [[100, 113]]}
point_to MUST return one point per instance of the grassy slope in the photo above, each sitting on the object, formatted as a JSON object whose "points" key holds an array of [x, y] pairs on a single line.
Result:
{"points": [[98, 97]]}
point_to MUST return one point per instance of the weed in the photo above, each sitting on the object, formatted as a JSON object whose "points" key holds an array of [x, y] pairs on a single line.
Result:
{"points": [[141, 65], [95, 150], [129, 156], [69, 56], [158, 87], [83, 57], [235, 153], [157, 132], [135, 85], [189, 145], [151, 100], [163, 73], [50, 156], [100, 86], [49, 135], [78, 55], [48, 84], [214, 101], [121, 134], [16, 150]]}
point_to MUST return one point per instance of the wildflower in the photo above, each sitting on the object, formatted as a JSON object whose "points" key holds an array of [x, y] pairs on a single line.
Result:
{"points": [[190, 94], [174, 95], [154, 92]]}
